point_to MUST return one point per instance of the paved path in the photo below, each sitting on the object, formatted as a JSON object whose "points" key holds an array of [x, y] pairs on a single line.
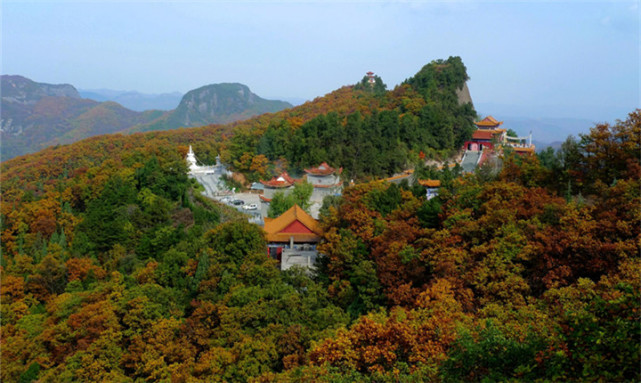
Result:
{"points": [[212, 183], [215, 189], [248, 199], [469, 162]]}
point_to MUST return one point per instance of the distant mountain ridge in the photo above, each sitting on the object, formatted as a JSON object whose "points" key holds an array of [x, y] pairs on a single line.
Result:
{"points": [[214, 104], [135, 100], [36, 115], [21, 90], [221, 103]]}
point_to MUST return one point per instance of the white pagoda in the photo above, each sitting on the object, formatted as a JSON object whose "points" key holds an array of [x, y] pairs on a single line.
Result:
{"points": [[193, 165]]}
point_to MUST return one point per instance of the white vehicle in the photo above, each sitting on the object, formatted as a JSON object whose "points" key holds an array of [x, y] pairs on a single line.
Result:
{"points": [[251, 206]]}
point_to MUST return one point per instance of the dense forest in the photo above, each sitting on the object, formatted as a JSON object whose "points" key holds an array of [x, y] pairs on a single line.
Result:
{"points": [[366, 130], [421, 115], [115, 268]]}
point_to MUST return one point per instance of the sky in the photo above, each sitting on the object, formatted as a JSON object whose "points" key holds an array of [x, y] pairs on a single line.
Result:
{"points": [[547, 58]]}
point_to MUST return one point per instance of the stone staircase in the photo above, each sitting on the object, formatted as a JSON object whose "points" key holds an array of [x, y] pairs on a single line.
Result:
{"points": [[470, 160]]}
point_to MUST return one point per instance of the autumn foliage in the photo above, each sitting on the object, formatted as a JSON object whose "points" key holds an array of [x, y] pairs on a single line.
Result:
{"points": [[115, 269]]}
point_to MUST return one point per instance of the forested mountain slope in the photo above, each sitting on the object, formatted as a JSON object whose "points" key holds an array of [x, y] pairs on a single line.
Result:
{"points": [[114, 268], [370, 132], [382, 134], [37, 115], [497, 279]]}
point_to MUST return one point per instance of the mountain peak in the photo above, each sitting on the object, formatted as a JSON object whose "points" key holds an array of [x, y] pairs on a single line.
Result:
{"points": [[221, 103], [35, 115], [18, 89]]}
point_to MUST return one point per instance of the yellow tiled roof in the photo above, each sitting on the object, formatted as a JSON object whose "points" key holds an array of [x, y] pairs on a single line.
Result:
{"points": [[430, 183], [488, 121], [274, 226], [529, 149]]}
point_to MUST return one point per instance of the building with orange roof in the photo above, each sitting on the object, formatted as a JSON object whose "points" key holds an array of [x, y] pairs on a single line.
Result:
{"points": [[488, 122], [326, 181], [370, 78], [524, 150], [521, 145], [488, 141], [283, 183], [431, 187], [292, 238], [430, 183], [488, 135], [485, 139]]}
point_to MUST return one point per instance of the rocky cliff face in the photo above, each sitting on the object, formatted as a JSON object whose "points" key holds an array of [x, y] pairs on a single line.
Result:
{"points": [[221, 103], [21, 90], [20, 97], [463, 95]]}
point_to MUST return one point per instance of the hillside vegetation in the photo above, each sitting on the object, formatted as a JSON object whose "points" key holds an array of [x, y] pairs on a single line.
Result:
{"points": [[380, 135], [114, 268], [37, 115]]}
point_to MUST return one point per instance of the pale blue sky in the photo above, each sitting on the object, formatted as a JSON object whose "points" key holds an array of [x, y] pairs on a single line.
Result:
{"points": [[578, 59]]}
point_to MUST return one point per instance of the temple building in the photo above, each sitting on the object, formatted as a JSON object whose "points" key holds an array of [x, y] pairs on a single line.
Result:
{"points": [[485, 139], [292, 238], [326, 181], [489, 140], [488, 122], [487, 135], [521, 145], [370, 78], [283, 183], [431, 187]]}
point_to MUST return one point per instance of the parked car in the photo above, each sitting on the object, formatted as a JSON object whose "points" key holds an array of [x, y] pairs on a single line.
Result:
{"points": [[251, 206], [238, 202]]}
